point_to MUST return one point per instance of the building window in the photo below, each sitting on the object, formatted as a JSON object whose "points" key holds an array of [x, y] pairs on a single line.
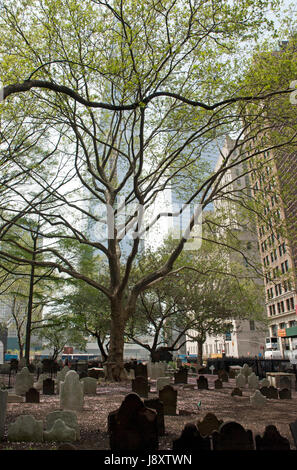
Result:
{"points": [[252, 325]]}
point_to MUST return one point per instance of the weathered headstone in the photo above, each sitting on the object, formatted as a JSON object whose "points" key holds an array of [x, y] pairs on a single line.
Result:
{"points": [[271, 440], [68, 417], [157, 405], [209, 424], [3, 407], [25, 428], [168, 395], [236, 392], [232, 436], [253, 381], [218, 384], [202, 383], [23, 381], [38, 385], [71, 392], [48, 387], [162, 382], [133, 427], [60, 432], [140, 386], [284, 382], [293, 429], [285, 394], [246, 371], [90, 385], [61, 376], [264, 383], [190, 440], [181, 376], [32, 396], [258, 399], [240, 381]]}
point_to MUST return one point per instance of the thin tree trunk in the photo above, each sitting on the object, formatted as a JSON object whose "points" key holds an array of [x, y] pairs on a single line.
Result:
{"points": [[115, 361], [200, 352]]}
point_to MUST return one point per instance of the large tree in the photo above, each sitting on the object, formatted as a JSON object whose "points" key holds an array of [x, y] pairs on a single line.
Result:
{"points": [[123, 98]]}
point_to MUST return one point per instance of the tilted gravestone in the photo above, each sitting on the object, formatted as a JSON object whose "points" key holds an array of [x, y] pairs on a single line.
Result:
{"points": [[285, 394], [3, 408], [157, 405], [218, 384], [168, 395], [269, 392], [202, 383], [140, 386], [190, 440], [293, 429], [236, 392], [209, 424], [271, 440], [32, 396], [232, 436], [181, 377], [133, 427], [48, 387]]}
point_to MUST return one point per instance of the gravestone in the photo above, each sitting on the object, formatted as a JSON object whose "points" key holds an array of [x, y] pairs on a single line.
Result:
{"points": [[141, 370], [48, 387], [23, 381], [38, 385], [258, 399], [209, 424], [133, 427], [202, 383], [60, 432], [25, 428], [285, 394], [236, 392], [190, 440], [90, 385], [140, 386], [218, 384], [68, 417], [3, 408], [253, 381], [96, 373], [264, 383], [168, 395], [181, 376], [246, 371], [232, 436], [269, 392], [71, 392], [223, 376], [293, 429], [232, 374], [271, 440], [157, 405], [162, 382], [240, 381], [284, 382], [32, 396], [61, 376]]}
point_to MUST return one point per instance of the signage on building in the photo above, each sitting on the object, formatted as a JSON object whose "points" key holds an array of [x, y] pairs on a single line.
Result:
{"points": [[282, 333]]}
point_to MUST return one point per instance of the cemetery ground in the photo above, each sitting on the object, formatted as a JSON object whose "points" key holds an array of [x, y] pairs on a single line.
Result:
{"points": [[109, 396]]}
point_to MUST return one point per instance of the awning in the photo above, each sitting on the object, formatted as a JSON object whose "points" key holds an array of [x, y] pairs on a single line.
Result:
{"points": [[291, 332]]}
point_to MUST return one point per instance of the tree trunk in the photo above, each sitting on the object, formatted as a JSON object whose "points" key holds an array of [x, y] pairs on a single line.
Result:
{"points": [[115, 361], [200, 352]]}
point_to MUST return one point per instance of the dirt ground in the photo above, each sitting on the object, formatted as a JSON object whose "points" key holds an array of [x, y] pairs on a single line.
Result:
{"points": [[93, 419]]}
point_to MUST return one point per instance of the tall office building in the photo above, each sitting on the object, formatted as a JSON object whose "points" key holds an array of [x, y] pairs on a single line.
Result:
{"points": [[274, 184]]}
